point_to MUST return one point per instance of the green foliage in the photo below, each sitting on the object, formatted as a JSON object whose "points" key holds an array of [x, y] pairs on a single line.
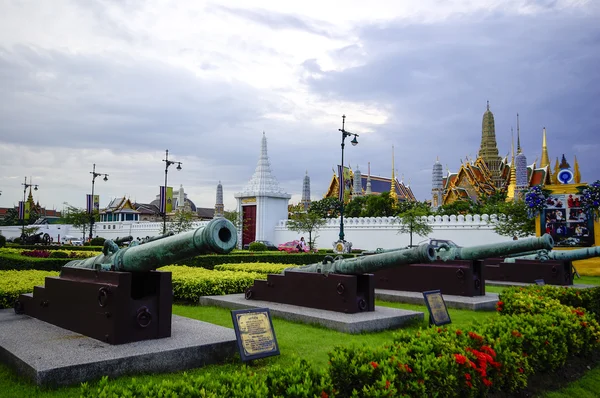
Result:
{"points": [[10, 261], [514, 220], [457, 207], [58, 254], [413, 221], [2, 240], [190, 283], [13, 283], [379, 206], [11, 217], [97, 241], [76, 217], [181, 221], [326, 207], [356, 207], [257, 247], [261, 268], [307, 222]]}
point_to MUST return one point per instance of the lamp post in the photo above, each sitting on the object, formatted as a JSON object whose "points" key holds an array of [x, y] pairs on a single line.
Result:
{"points": [[25, 186], [354, 142], [167, 164], [92, 208]]}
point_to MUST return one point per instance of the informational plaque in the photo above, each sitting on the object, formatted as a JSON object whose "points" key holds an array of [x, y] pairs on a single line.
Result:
{"points": [[254, 333], [438, 313], [540, 282]]}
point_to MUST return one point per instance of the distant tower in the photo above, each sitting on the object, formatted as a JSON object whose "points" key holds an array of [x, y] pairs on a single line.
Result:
{"points": [[520, 166], [436, 185], [488, 150], [393, 194], [512, 183], [545, 158], [305, 202], [357, 184], [368, 189], [181, 198], [219, 208]]}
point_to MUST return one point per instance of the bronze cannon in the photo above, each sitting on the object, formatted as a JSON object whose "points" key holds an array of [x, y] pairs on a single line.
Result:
{"points": [[348, 284], [118, 296], [559, 255]]}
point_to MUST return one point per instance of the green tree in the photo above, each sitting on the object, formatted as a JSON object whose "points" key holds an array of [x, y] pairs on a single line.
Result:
{"points": [[412, 222], [457, 207], [513, 220], [326, 207], [307, 222], [76, 217], [181, 221], [379, 206], [11, 217], [355, 207], [489, 204], [405, 205]]}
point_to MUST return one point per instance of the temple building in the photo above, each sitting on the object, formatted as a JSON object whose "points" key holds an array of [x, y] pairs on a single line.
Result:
{"points": [[489, 173], [358, 184]]}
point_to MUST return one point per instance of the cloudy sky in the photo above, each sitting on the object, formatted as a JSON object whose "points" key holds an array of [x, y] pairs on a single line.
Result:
{"points": [[117, 82]]}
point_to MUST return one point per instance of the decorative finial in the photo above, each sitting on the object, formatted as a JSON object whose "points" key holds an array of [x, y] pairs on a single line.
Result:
{"points": [[518, 135], [488, 105]]}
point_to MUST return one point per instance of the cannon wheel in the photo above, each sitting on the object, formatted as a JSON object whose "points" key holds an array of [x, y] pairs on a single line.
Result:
{"points": [[46, 239]]}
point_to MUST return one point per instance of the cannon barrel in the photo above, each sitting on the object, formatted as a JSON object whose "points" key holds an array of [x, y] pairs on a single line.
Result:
{"points": [[124, 239], [560, 255], [371, 263], [495, 249], [218, 236]]}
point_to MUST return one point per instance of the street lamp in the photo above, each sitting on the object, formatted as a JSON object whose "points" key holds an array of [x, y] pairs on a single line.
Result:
{"points": [[354, 142], [25, 186], [92, 208], [167, 164]]}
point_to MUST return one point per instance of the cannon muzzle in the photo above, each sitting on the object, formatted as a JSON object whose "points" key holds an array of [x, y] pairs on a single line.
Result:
{"points": [[218, 236]]}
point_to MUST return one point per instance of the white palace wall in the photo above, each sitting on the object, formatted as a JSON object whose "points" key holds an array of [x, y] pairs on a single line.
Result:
{"points": [[365, 233]]}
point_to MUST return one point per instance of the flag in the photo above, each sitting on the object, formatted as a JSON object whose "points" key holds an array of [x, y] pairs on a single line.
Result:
{"points": [[163, 197], [27, 210], [342, 183], [97, 203], [21, 211], [169, 205], [166, 200], [88, 203]]}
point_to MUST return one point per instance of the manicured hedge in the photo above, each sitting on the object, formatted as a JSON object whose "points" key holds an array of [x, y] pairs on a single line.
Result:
{"points": [[498, 355], [262, 268], [17, 262], [210, 260], [14, 283]]}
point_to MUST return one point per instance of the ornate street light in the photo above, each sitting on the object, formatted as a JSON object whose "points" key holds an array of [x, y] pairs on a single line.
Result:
{"points": [[25, 186], [167, 164], [92, 208], [354, 142]]}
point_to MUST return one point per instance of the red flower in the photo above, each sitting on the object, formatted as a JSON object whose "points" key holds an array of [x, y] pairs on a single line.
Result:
{"points": [[469, 384], [408, 369], [488, 350], [516, 333], [487, 382], [324, 394], [521, 370], [467, 376], [546, 342], [420, 381], [374, 365], [475, 336], [584, 324], [458, 332], [500, 303], [387, 384], [460, 359]]}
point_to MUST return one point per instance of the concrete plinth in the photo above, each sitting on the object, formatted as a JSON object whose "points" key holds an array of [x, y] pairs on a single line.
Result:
{"points": [[475, 303], [50, 355], [382, 318], [510, 284]]}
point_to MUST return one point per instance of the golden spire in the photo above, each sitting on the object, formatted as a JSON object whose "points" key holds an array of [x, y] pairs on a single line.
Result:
{"points": [[393, 194], [554, 178], [512, 185], [545, 159], [576, 173]]}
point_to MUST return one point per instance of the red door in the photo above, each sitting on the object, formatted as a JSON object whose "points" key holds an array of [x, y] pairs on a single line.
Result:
{"points": [[248, 224]]}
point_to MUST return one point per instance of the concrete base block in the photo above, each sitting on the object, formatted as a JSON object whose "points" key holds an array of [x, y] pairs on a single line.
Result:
{"points": [[52, 356], [475, 303], [381, 319]]}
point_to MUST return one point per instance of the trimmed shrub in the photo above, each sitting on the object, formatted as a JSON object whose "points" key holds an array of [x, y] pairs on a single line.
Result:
{"points": [[262, 268], [209, 261], [59, 254], [10, 261], [2, 240], [257, 247], [14, 283], [98, 241]]}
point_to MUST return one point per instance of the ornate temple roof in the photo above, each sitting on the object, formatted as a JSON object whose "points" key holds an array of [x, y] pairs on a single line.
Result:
{"points": [[263, 182]]}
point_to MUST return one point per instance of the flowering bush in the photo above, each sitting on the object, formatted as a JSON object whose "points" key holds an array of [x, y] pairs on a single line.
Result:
{"points": [[535, 199], [590, 199], [36, 253]]}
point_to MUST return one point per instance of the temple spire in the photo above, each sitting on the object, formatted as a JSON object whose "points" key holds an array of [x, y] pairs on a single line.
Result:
{"points": [[368, 189], [518, 136], [393, 194], [488, 151], [510, 194], [545, 159]]}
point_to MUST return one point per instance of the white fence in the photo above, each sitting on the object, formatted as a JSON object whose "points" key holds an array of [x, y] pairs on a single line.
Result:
{"points": [[364, 233]]}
